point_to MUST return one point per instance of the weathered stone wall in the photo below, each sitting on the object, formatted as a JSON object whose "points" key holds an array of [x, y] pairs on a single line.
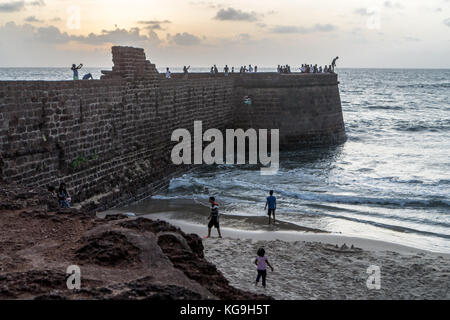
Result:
{"points": [[109, 139], [305, 108]]}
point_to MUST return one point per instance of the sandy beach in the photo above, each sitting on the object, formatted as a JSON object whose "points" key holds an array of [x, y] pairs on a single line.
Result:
{"points": [[309, 266]]}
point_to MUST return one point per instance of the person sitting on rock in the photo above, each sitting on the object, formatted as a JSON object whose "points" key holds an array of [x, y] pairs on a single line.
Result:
{"points": [[63, 196]]}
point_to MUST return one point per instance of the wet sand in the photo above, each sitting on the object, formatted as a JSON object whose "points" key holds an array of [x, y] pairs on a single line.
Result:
{"points": [[309, 266]]}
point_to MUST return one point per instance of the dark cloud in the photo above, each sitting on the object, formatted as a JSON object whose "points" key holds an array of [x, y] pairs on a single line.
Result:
{"points": [[232, 14], [33, 19], [120, 37], [12, 6], [48, 35], [183, 39], [297, 29], [52, 35]]}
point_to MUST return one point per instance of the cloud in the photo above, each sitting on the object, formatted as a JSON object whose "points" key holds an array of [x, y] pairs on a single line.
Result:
{"points": [[297, 29], [206, 4], [447, 22], [412, 39], [12, 6], [154, 24], [33, 19], [364, 12], [232, 14], [392, 5], [49, 35], [15, 6], [37, 3], [183, 39]]}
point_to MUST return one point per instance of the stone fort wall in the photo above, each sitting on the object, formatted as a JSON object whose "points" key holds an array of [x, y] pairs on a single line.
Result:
{"points": [[109, 139]]}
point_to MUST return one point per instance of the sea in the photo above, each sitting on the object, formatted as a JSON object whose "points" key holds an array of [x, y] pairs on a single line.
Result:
{"points": [[389, 181]]}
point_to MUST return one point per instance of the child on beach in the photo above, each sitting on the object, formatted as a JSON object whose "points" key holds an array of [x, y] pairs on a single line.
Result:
{"points": [[262, 262]]}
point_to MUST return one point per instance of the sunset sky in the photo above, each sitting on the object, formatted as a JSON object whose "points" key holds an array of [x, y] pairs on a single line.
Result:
{"points": [[371, 33]]}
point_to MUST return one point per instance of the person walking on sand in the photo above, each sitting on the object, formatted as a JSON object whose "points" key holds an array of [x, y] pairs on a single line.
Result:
{"points": [[262, 262], [271, 201], [214, 217], [75, 70]]}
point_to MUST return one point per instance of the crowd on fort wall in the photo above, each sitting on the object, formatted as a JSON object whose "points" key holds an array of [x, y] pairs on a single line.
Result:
{"points": [[109, 139]]}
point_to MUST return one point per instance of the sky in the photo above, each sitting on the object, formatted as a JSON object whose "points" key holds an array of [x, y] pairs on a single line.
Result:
{"points": [[363, 33]]}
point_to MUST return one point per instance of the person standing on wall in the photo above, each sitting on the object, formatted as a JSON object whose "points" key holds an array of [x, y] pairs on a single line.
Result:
{"points": [[271, 201], [75, 70], [186, 71], [333, 63], [168, 73]]}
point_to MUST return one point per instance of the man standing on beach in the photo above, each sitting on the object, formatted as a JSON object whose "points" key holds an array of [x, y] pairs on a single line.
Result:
{"points": [[272, 203], [214, 217]]}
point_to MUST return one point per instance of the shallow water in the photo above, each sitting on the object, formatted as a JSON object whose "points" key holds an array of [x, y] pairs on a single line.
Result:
{"points": [[390, 180]]}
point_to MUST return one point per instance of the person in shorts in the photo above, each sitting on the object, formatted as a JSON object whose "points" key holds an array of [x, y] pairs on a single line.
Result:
{"points": [[271, 202], [214, 217]]}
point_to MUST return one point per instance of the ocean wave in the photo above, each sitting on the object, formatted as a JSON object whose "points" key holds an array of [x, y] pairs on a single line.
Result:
{"points": [[385, 107], [436, 126], [344, 199], [426, 85]]}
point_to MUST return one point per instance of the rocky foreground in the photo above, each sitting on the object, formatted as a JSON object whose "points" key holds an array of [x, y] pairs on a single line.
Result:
{"points": [[119, 257]]}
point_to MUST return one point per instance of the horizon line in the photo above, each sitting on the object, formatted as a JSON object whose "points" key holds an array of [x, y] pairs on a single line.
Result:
{"points": [[265, 67]]}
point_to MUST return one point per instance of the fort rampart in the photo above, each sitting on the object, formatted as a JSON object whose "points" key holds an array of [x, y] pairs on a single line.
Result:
{"points": [[109, 139]]}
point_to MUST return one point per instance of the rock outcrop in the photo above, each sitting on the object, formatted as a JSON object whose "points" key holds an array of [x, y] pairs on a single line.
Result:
{"points": [[120, 257]]}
